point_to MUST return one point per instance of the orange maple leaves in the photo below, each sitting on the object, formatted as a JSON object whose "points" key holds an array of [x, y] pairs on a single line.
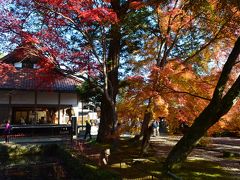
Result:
{"points": [[176, 91]]}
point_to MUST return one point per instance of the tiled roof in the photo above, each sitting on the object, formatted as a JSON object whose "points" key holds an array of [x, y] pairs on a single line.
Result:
{"points": [[25, 52], [27, 80]]}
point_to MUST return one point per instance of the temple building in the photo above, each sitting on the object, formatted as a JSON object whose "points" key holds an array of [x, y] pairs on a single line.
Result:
{"points": [[30, 99]]}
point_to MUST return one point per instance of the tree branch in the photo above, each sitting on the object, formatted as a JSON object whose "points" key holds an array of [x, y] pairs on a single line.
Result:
{"points": [[217, 95], [188, 93], [209, 42]]}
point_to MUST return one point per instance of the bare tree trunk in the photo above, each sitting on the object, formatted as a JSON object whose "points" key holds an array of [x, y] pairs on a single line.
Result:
{"points": [[218, 106]]}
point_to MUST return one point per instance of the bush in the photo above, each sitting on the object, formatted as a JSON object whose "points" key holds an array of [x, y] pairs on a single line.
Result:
{"points": [[81, 168], [227, 134], [204, 142], [78, 167]]}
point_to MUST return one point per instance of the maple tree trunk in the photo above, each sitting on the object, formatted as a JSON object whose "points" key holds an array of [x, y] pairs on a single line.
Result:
{"points": [[184, 147], [144, 128], [218, 106], [108, 119], [146, 131], [207, 118], [146, 140], [146, 121], [145, 124]]}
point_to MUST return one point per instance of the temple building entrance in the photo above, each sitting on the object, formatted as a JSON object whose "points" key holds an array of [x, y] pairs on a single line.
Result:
{"points": [[37, 116]]}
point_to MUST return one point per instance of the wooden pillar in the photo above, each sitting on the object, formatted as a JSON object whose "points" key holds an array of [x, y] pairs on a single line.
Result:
{"points": [[35, 106], [82, 115], [10, 107], [59, 102]]}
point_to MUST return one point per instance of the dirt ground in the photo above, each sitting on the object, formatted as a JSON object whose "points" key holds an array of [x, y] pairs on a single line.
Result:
{"points": [[215, 150], [223, 152]]}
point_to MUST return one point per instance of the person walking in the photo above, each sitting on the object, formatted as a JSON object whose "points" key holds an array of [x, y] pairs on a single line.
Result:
{"points": [[7, 131], [155, 128], [163, 127], [183, 126], [88, 130]]}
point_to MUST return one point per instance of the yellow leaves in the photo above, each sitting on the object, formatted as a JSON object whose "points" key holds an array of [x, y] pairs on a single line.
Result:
{"points": [[158, 101], [160, 107], [188, 75], [229, 122], [130, 109], [172, 18]]}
